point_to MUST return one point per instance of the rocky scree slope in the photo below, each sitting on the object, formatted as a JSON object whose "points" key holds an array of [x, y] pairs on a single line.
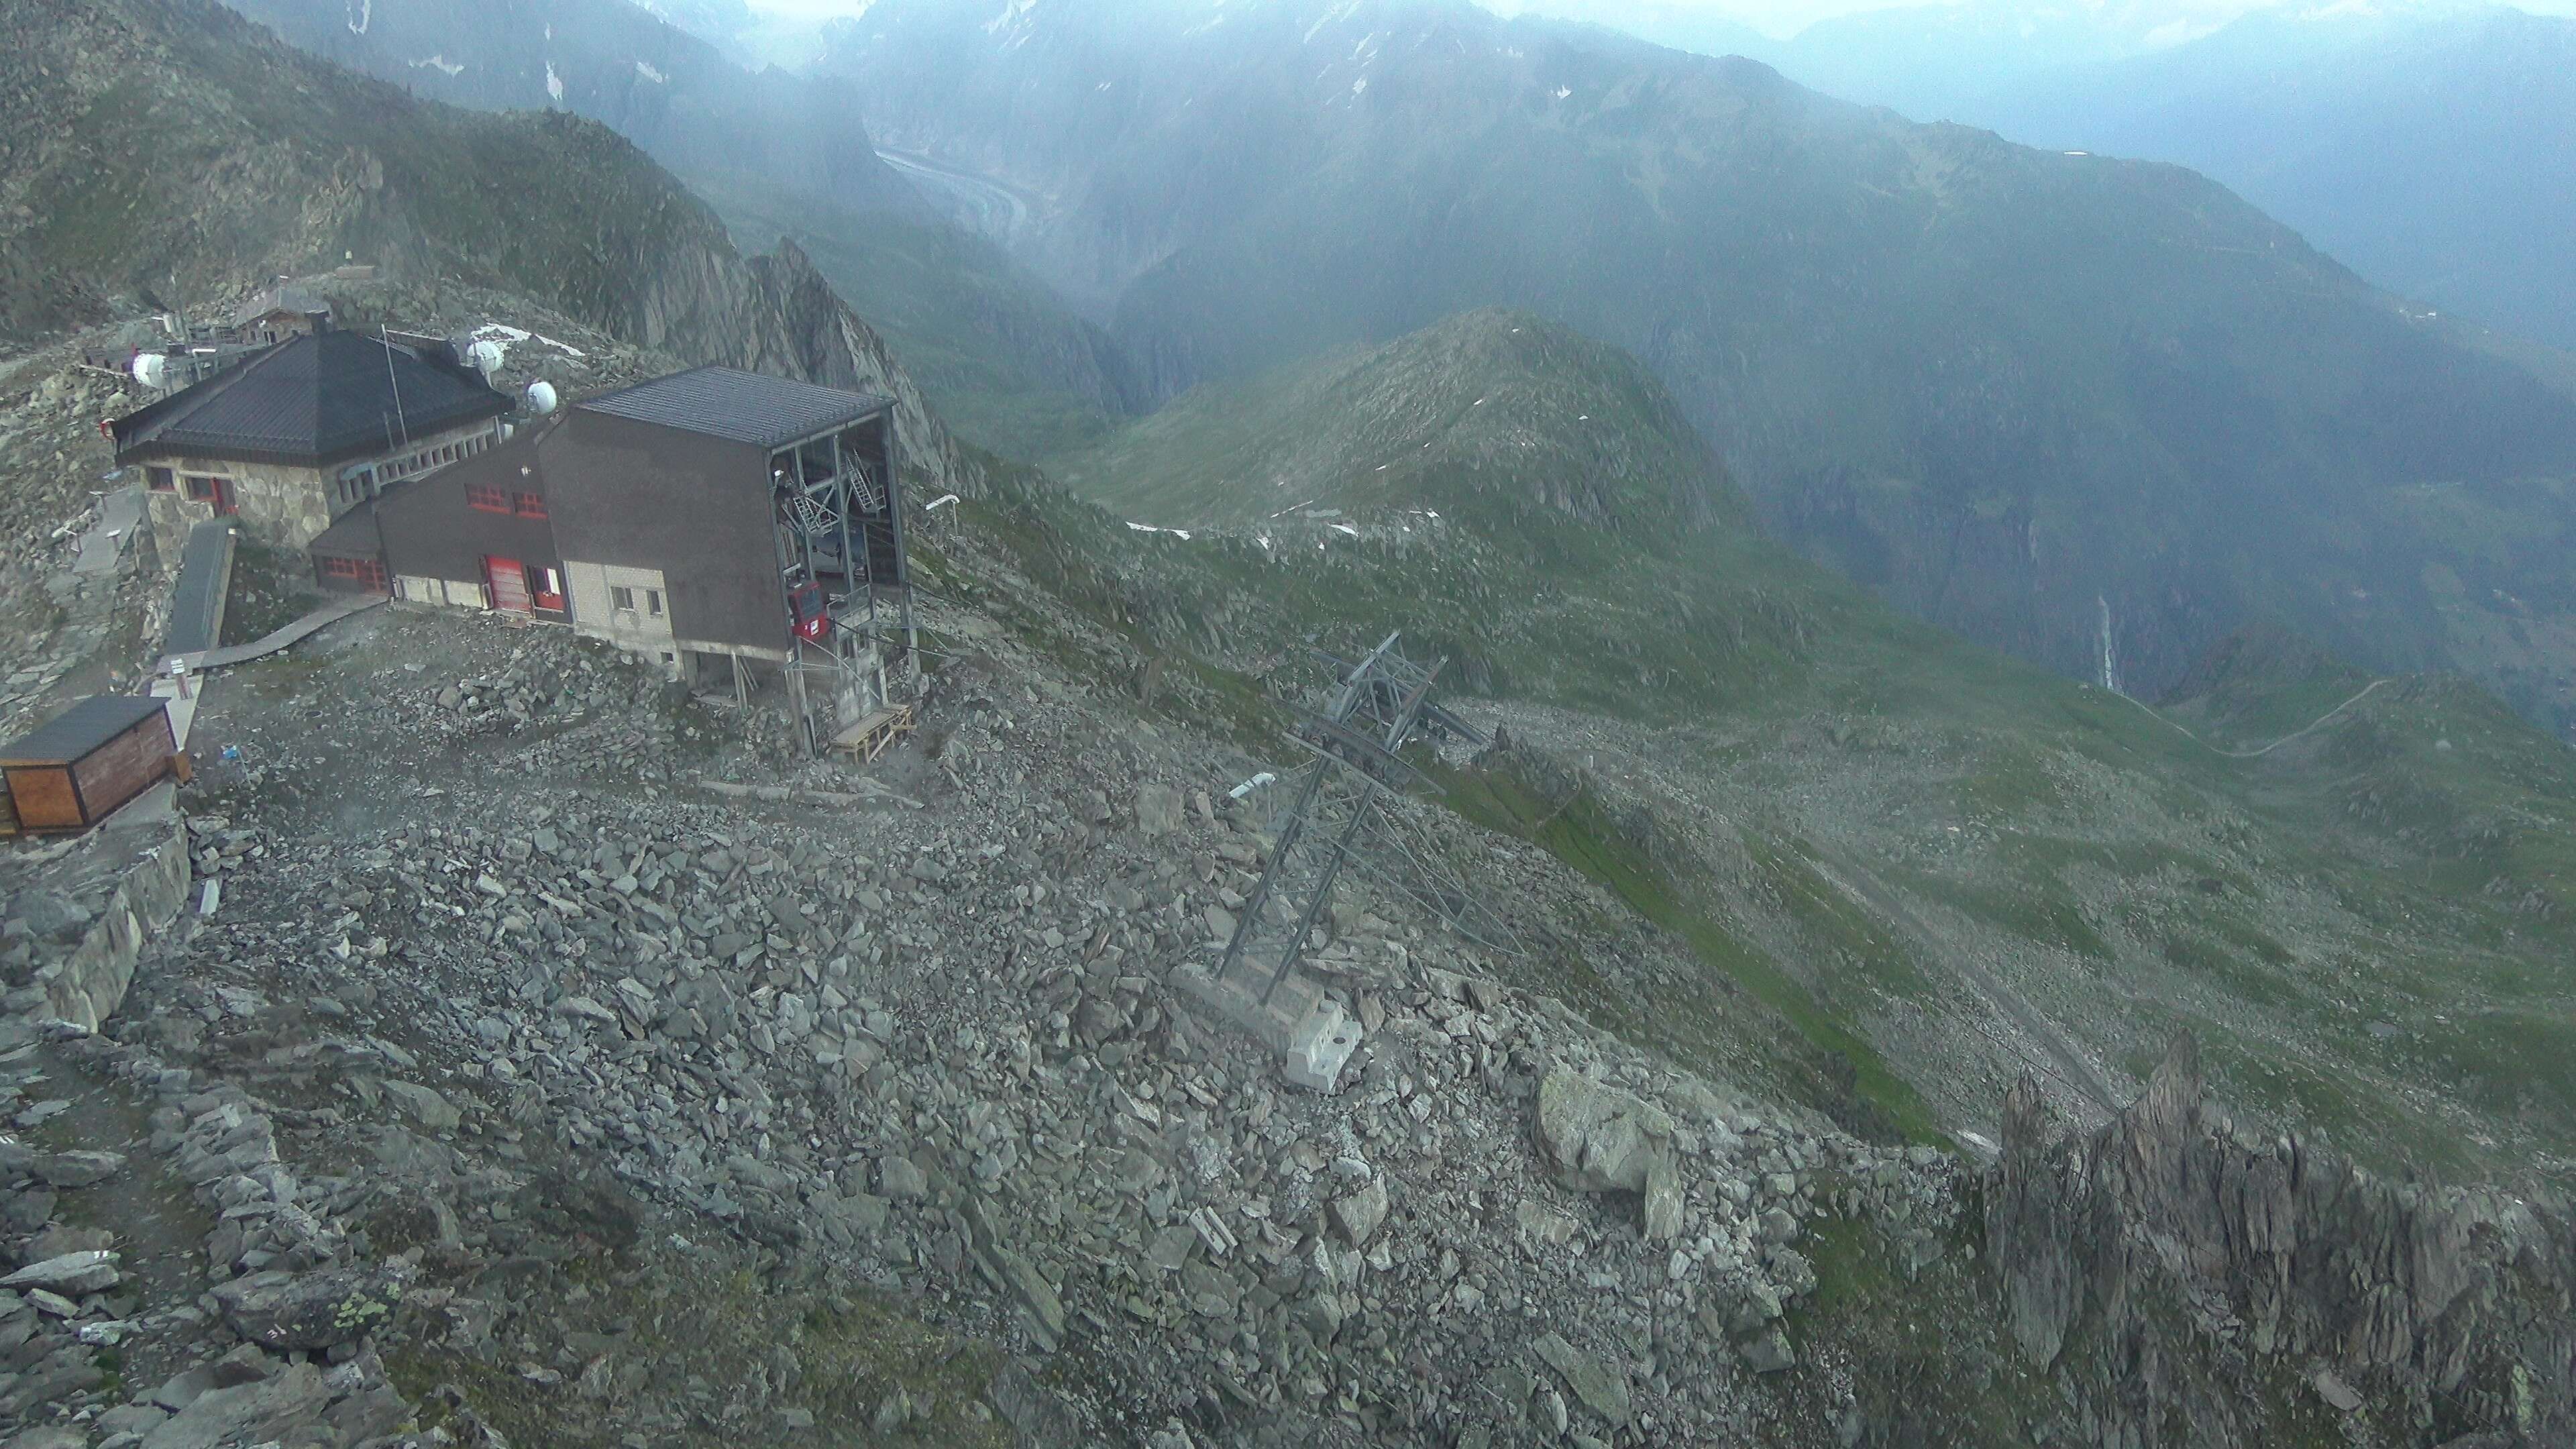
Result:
{"points": [[2010, 390], [1948, 868], [571, 1058]]}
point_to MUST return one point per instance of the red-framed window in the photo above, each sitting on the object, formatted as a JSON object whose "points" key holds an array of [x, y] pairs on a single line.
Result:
{"points": [[367, 571], [487, 498], [161, 480], [531, 505]]}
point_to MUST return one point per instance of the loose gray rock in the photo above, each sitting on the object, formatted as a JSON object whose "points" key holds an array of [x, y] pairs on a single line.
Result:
{"points": [[1158, 809], [426, 1107], [252, 1413], [1602, 1388], [1770, 1353], [1597, 1137], [1359, 1213], [71, 1273], [312, 1310], [77, 1169]]}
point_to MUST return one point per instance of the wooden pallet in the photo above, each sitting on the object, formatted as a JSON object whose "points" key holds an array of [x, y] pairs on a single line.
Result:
{"points": [[875, 732]]}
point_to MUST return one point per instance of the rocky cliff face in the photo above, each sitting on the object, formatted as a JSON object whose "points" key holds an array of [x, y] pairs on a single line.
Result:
{"points": [[670, 92], [2192, 1282]]}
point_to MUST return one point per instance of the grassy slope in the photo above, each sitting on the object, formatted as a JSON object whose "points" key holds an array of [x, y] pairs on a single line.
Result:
{"points": [[1006, 364], [1905, 846]]}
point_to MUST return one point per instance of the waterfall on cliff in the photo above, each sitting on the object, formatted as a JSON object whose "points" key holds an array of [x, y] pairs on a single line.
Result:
{"points": [[2110, 649]]}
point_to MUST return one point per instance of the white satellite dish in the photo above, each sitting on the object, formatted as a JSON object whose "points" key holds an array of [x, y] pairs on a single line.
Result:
{"points": [[150, 368], [486, 356], [541, 397]]}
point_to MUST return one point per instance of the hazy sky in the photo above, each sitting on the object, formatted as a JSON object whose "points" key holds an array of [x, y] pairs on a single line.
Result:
{"points": [[1786, 17]]}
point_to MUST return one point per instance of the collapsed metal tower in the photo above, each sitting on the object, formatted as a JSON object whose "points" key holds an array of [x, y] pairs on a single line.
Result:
{"points": [[1333, 819]]}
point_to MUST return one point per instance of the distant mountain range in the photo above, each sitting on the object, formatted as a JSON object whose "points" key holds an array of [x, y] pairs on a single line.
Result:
{"points": [[2427, 146], [2097, 412], [2435, 153]]}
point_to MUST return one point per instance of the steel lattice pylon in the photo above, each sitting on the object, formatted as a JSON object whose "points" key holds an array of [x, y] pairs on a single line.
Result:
{"points": [[1334, 819]]}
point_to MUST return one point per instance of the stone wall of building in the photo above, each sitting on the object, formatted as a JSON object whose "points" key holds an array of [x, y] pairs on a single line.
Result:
{"points": [[276, 503]]}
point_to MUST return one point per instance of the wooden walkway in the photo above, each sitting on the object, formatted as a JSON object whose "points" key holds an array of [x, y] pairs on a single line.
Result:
{"points": [[301, 629]]}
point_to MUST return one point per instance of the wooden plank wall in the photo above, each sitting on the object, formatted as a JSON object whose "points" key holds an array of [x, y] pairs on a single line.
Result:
{"points": [[125, 766]]}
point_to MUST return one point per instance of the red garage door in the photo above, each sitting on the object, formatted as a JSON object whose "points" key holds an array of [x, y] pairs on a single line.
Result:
{"points": [[505, 583]]}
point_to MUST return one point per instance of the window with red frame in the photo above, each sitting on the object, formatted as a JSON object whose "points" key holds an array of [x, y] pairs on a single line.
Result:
{"points": [[487, 498], [531, 505], [367, 571]]}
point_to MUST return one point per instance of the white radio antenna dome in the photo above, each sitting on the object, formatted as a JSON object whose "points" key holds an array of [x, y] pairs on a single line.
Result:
{"points": [[541, 397], [150, 368], [486, 356]]}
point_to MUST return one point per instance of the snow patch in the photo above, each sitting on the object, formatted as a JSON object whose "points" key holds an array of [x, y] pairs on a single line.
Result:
{"points": [[1343, 11], [439, 63], [1360, 86], [1346, 528], [1564, 91], [1011, 27], [502, 334], [1182, 534], [645, 69], [554, 84], [2181, 30], [361, 16]]}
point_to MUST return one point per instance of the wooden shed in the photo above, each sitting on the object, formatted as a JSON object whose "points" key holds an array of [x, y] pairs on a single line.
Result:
{"points": [[76, 769]]}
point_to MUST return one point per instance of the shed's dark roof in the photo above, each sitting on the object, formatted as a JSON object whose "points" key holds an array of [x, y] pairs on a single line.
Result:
{"points": [[80, 729], [356, 535], [744, 407], [312, 400]]}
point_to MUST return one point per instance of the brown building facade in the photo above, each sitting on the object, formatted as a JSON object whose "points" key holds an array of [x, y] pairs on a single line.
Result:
{"points": [[711, 521]]}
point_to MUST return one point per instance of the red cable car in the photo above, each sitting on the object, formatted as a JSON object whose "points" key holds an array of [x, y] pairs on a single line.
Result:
{"points": [[806, 612]]}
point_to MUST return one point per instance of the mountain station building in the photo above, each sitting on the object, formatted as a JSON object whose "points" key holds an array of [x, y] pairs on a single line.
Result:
{"points": [[293, 437], [737, 530]]}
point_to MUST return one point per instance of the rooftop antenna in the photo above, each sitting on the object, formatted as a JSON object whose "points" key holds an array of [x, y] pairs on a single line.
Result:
{"points": [[386, 340]]}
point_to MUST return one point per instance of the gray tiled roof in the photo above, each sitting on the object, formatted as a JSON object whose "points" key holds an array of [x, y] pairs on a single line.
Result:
{"points": [[80, 729], [311, 400], [745, 407]]}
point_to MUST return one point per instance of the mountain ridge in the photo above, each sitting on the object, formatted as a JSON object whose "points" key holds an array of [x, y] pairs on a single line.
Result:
{"points": [[2012, 389]]}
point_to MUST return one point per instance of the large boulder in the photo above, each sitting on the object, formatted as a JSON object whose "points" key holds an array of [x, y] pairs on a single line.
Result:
{"points": [[71, 1274], [1598, 1138], [280, 1311], [260, 1412]]}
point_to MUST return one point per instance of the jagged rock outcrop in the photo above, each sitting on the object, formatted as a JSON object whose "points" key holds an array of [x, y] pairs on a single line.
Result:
{"points": [[2436, 1314]]}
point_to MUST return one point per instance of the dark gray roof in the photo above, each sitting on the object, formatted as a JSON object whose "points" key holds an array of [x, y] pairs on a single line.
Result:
{"points": [[744, 407], [80, 729], [356, 535], [310, 401], [205, 579]]}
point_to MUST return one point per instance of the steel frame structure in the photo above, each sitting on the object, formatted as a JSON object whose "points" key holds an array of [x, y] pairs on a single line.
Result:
{"points": [[828, 500], [1333, 818]]}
